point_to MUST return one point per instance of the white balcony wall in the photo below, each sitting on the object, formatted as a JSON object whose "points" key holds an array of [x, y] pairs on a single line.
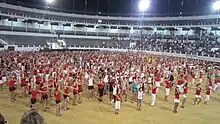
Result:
{"points": [[48, 27]]}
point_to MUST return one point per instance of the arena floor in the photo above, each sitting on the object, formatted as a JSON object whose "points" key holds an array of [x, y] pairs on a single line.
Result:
{"points": [[94, 112]]}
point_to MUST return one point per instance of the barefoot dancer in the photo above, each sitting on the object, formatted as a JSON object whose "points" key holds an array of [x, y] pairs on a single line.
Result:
{"points": [[75, 92], [80, 89], [185, 91], [167, 89], [101, 90], [58, 94], [198, 99], [12, 88], [45, 96], [176, 99], [65, 96]]}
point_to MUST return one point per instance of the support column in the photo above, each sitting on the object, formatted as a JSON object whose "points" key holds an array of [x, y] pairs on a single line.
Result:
{"points": [[97, 31], [130, 32], [39, 28], [63, 30], [109, 27], [12, 27], [51, 27], [118, 32], [26, 27], [86, 29], [74, 29]]}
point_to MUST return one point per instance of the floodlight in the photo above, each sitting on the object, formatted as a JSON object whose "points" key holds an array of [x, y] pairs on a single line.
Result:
{"points": [[144, 5], [99, 21], [49, 1], [216, 5]]}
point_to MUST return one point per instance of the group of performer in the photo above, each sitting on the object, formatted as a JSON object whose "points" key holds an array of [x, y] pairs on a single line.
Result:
{"points": [[41, 76]]}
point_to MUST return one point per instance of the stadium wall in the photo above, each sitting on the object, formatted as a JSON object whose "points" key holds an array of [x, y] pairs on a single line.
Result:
{"points": [[47, 27]]}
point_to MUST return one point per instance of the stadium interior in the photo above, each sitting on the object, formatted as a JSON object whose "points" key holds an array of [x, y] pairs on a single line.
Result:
{"points": [[30, 28], [185, 35]]}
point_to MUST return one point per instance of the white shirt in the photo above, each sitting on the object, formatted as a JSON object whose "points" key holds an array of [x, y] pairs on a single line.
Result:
{"points": [[140, 94], [19, 64], [115, 89], [15, 59], [17, 73], [48, 62], [106, 78], [23, 68], [90, 82], [74, 71], [149, 79], [124, 87], [159, 66], [130, 79], [86, 76], [142, 75]]}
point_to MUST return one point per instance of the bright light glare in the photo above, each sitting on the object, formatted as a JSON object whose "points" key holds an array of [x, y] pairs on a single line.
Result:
{"points": [[99, 21], [216, 5], [144, 5], [49, 1]]}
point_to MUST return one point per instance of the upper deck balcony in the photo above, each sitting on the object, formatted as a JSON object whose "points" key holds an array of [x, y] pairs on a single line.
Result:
{"points": [[147, 19]]}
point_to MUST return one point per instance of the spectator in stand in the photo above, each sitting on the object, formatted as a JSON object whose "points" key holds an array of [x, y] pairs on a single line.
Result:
{"points": [[204, 45]]}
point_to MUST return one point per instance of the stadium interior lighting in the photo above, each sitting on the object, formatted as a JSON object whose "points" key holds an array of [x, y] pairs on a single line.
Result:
{"points": [[216, 5], [144, 5], [49, 1], [99, 21]]}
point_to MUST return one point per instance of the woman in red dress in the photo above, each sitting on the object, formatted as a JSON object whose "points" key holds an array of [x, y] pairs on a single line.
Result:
{"points": [[176, 99], [58, 101], [44, 96], [75, 92], [58, 94], [197, 99], [80, 89], [101, 90], [24, 84], [65, 96], [12, 88]]}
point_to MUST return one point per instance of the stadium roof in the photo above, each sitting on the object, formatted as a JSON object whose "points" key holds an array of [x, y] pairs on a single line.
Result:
{"points": [[123, 7]]}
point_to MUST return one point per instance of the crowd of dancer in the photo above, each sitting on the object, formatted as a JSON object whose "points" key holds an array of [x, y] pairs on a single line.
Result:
{"points": [[43, 75]]}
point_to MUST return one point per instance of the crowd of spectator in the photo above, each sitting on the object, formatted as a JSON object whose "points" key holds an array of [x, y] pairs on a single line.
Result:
{"points": [[204, 45]]}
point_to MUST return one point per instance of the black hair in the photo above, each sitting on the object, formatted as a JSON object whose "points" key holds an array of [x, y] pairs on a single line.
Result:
{"points": [[32, 117], [197, 84], [2, 119]]}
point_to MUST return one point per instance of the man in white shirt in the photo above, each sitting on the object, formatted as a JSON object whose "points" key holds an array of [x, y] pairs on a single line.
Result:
{"points": [[106, 80], [90, 86]]}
